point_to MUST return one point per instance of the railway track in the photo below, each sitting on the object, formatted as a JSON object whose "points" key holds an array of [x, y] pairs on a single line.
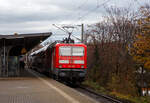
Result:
{"points": [[100, 97]]}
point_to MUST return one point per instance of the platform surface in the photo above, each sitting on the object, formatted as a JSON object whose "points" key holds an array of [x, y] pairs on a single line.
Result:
{"points": [[33, 88]]}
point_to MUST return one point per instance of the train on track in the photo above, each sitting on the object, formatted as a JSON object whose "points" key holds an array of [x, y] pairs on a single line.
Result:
{"points": [[61, 60]]}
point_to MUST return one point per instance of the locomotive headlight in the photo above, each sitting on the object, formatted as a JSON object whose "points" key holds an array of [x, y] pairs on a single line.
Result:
{"points": [[60, 66], [78, 61], [82, 66], [64, 61]]}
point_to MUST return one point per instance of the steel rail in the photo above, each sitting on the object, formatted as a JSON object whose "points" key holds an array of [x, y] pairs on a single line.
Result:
{"points": [[113, 100]]}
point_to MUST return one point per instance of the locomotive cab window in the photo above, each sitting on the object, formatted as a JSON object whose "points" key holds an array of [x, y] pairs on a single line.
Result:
{"points": [[65, 51], [77, 51], [71, 51]]}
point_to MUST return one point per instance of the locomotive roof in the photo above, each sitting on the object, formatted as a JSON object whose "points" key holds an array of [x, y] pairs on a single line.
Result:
{"points": [[48, 46], [39, 50], [44, 48]]}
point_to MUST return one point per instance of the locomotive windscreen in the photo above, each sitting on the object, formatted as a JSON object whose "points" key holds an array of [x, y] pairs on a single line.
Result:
{"points": [[77, 51], [71, 51], [65, 51]]}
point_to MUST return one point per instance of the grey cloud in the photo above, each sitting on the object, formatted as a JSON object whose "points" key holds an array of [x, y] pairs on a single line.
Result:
{"points": [[38, 15]]}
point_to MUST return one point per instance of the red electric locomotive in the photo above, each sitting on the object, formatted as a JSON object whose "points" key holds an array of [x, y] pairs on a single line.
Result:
{"points": [[63, 61]]}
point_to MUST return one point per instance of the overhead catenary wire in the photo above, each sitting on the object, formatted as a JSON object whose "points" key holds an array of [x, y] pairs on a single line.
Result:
{"points": [[137, 2], [103, 4], [76, 10], [82, 5], [92, 11], [87, 13], [67, 32]]}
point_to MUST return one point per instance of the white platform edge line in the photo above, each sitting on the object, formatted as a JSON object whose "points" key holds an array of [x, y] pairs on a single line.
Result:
{"points": [[65, 95]]}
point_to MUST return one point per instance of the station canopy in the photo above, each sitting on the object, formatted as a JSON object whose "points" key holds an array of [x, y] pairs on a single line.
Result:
{"points": [[27, 41]]}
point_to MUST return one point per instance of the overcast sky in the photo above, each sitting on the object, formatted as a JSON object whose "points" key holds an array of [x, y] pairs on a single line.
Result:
{"points": [[32, 16]]}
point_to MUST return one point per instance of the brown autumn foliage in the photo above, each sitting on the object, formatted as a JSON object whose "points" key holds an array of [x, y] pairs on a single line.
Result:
{"points": [[109, 62]]}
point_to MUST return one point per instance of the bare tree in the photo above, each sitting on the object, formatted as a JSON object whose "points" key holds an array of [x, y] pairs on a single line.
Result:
{"points": [[113, 66]]}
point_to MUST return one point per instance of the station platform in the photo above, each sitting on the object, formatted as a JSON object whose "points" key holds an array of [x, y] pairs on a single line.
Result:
{"points": [[32, 87]]}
